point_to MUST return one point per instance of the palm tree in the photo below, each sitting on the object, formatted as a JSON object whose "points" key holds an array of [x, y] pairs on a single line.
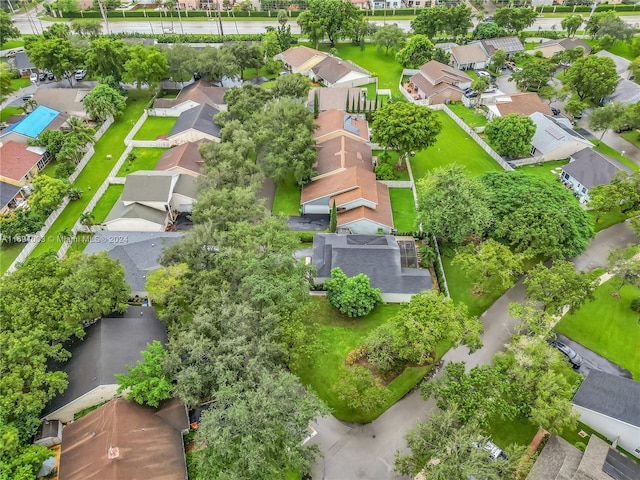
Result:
{"points": [[171, 4], [74, 193], [87, 219], [30, 105], [65, 234], [83, 132]]}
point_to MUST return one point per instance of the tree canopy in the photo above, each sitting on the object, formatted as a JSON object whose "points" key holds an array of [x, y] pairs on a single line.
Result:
{"points": [[511, 135], [7, 29], [592, 77], [145, 66], [331, 18], [515, 19], [352, 296], [390, 37], [418, 51], [104, 101]]}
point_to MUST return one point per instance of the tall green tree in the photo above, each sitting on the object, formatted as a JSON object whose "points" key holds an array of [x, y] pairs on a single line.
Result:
{"points": [[418, 51], [352, 296], [214, 64], [608, 24], [533, 76], [91, 28], [515, 19], [333, 220], [511, 135], [246, 56], [489, 262], [47, 194], [625, 266], [592, 77], [571, 24], [390, 37], [334, 17], [488, 30], [106, 57], [498, 59], [181, 58], [145, 66], [430, 21], [147, 383], [5, 81], [294, 85], [612, 115], [360, 390], [558, 286], [405, 127], [56, 55], [453, 206], [7, 29], [104, 101]]}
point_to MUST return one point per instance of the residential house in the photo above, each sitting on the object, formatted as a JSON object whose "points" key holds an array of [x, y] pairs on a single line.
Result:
{"points": [[185, 159], [11, 197], [335, 123], [555, 138], [550, 48], [627, 92], [469, 57], [65, 100], [340, 98], [562, 461], [335, 72], [341, 153], [510, 45], [151, 201], [42, 118], [21, 63], [300, 59], [20, 163], [191, 96], [109, 345], [138, 252], [385, 259], [622, 64], [123, 439], [609, 404], [195, 124], [363, 204], [437, 83], [520, 103], [587, 169]]}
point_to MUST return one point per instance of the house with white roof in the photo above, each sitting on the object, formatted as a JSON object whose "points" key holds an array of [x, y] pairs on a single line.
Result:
{"points": [[555, 138]]}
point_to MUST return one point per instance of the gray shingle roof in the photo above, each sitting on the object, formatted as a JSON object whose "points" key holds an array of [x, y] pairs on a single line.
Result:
{"points": [[626, 92], [622, 64], [198, 118], [610, 395], [108, 346], [508, 44], [149, 186], [376, 256], [135, 210], [7, 193], [552, 132], [138, 252], [592, 168]]}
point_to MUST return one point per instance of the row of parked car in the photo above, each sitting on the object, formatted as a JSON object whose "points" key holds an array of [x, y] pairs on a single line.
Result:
{"points": [[48, 76]]}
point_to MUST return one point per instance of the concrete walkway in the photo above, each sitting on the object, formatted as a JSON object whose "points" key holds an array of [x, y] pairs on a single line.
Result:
{"points": [[353, 451]]}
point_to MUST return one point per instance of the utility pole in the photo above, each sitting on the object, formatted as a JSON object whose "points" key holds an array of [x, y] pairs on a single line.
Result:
{"points": [[104, 15], [220, 19]]}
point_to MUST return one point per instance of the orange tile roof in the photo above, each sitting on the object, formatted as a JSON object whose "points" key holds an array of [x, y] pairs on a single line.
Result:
{"points": [[340, 182], [523, 104], [186, 156], [382, 214], [296, 56], [16, 160], [334, 120], [343, 152]]}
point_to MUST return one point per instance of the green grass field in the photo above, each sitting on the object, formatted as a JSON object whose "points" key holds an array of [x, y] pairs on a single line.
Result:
{"points": [[337, 335], [155, 127], [608, 326], [468, 115], [622, 49], [633, 137], [98, 168], [106, 202], [8, 253], [287, 199], [453, 146], [7, 111], [607, 150], [18, 83], [402, 174], [543, 170], [146, 159], [404, 209], [12, 44]]}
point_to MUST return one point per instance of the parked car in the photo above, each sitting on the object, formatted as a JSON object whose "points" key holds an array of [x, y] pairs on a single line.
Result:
{"points": [[27, 97], [555, 111], [80, 74], [167, 30], [468, 90], [488, 19], [50, 76], [33, 77], [510, 64], [42, 77], [572, 356], [483, 73], [495, 452], [471, 94]]}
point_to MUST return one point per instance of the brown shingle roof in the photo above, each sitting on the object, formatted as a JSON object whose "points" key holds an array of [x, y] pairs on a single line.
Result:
{"points": [[382, 214], [428, 88], [341, 153], [296, 56], [337, 183], [436, 72], [186, 156], [523, 104], [16, 160], [334, 120], [145, 442], [470, 53], [199, 92], [332, 69]]}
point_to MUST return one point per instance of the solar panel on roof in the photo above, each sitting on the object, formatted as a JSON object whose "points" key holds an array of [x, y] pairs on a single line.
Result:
{"points": [[555, 133], [349, 127], [620, 467]]}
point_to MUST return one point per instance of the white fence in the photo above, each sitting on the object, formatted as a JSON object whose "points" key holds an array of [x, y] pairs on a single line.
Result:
{"points": [[150, 143], [136, 127], [528, 161], [397, 183], [89, 153]]}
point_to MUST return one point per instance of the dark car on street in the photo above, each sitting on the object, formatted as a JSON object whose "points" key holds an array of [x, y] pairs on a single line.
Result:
{"points": [[555, 111], [572, 356]]}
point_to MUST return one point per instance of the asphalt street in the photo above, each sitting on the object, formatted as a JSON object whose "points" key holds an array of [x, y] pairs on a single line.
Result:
{"points": [[367, 451], [591, 360]]}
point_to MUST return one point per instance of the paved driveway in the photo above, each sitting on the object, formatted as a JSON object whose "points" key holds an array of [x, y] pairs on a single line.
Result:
{"points": [[308, 223], [367, 451], [591, 360]]}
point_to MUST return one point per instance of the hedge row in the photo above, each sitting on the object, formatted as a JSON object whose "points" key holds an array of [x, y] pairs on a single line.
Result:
{"points": [[587, 8], [192, 37]]}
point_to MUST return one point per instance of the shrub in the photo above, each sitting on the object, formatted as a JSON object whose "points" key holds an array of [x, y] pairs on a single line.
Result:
{"points": [[428, 256], [635, 305], [383, 353], [580, 446], [384, 171], [353, 296], [357, 354]]}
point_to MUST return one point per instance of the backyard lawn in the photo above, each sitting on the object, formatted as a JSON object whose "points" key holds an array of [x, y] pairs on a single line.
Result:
{"points": [[543, 170], [18, 83], [11, 44], [8, 111], [106, 203], [98, 168], [146, 159], [608, 326], [622, 49], [470, 116], [287, 199], [404, 209], [392, 159], [155, 127], [633, 137], [453, 146], [8, 253], [337, 335], [384, 66]]}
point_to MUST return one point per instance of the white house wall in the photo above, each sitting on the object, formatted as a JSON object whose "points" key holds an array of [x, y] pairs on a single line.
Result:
{"points": [[363, 227], [628, 436], [101, 393], [190, 135], [316, 209], [564, 151], [352, 79], [181, 203], [133, 225]]}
